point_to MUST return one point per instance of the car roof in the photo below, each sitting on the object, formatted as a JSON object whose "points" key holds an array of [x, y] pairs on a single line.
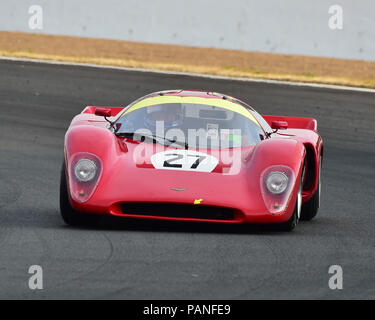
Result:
{"points": [[199, 93], [195, 93], [192, 96]]}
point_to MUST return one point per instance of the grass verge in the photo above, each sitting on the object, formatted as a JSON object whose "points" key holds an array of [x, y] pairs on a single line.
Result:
{"points": [[209, 61]]}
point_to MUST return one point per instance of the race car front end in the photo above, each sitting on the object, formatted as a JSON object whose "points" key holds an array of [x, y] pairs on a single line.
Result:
{"points": [[123, 188]]}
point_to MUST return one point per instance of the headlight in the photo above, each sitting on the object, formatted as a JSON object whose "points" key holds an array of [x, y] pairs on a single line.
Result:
{"points": [[277, 182], [85, 173], [85, 170], [276, 185]]}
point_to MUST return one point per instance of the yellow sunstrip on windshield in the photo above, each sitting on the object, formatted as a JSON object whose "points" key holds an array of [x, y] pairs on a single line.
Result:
{"points": [[220, 103]]}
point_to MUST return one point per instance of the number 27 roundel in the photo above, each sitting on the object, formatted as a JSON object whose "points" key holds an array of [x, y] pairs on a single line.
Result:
{"points": [[186, 160]]}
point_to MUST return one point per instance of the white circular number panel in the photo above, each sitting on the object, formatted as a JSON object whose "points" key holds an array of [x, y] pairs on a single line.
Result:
{"points": [[186, 160]]}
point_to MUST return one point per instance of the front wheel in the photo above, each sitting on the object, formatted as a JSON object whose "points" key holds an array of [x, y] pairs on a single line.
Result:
{"points": [[293, 221], [311, 207], [69, 215]]}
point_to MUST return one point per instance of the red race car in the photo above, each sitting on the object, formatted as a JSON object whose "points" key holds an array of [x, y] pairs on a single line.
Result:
{"points": [[191, 156]]}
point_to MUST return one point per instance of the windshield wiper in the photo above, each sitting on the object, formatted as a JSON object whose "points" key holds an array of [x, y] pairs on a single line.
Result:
{"points": [[154, 137]]}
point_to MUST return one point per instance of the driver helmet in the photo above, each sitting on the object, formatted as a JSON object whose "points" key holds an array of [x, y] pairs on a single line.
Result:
{"points": [[171, 114]]}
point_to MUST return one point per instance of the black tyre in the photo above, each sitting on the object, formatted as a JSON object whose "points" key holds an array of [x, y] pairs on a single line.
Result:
{"points": [[69, 215], [311, 207], [290, 224], [293, 221]]}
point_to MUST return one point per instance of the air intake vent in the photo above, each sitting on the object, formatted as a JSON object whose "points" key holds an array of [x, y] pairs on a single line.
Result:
{"points": [[176, 210]]}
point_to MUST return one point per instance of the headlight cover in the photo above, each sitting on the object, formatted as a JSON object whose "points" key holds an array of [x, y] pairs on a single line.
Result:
{"points": [[85, 172], [276, 184]]}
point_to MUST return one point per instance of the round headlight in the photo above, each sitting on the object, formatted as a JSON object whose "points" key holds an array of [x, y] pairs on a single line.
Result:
{"points": [[85, 170], [277, 182]]}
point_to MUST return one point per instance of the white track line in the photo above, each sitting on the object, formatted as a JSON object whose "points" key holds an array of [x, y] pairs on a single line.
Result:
{"points": [[278, 82]]}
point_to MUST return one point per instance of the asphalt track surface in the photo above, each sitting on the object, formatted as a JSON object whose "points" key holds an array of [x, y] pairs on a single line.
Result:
{"points": [[138, 260]]}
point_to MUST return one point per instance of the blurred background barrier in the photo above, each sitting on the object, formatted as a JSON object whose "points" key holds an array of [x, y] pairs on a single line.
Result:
{"points": [[327, 28]]}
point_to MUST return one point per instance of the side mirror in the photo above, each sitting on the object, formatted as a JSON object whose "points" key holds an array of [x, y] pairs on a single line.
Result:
{"points": [[279, 125], [103, 112]]}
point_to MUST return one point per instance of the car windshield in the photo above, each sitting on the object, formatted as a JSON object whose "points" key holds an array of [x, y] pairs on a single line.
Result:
{"points": [[192, 125]]}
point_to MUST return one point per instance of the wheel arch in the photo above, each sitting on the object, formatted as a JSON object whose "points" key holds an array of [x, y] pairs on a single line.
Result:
{"points": [[312, 157]]}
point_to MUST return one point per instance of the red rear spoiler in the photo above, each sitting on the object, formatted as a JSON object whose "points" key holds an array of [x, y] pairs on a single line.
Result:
{"points": [[294, 122], [114, 110]]}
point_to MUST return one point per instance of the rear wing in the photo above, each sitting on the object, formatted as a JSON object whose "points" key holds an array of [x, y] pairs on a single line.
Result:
{"points": [[294, 122], [114, 110]]}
